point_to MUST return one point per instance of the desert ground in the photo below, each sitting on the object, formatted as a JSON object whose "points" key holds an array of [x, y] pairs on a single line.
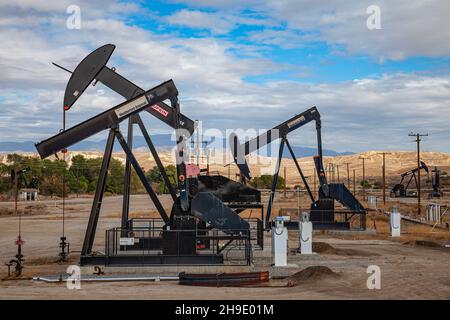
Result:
{"points": [[414, 266]]}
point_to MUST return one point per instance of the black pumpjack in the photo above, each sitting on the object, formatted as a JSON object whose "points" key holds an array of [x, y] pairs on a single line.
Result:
{"points": [[322, 209], [400, 190], [191, 225]]}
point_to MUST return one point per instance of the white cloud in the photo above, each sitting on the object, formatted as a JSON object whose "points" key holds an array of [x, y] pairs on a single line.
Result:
{"points": [[217, 22], [201, 20], [219, 4], [88, 8], [416, 28], [409, 28], [360, 114], [357, 115], [197, 65], [286, 39]]}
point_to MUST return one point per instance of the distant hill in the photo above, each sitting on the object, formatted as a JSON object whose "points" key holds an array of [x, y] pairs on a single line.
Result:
{"points": [[161, 141], [397, 162]]}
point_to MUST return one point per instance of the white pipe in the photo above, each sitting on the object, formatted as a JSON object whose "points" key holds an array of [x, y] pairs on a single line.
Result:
{"points": [[111, 278]]}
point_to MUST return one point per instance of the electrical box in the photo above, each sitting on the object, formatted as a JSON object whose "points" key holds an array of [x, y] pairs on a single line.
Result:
{"points": [[395, 222], [305, 229], [280, 242], [181, 240]]}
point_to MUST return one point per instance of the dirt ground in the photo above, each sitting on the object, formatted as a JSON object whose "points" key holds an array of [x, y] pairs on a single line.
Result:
{"points": [[414, 266]]}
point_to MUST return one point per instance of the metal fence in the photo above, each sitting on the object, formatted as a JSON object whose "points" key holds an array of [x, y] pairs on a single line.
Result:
{"points": [[147, 237]]}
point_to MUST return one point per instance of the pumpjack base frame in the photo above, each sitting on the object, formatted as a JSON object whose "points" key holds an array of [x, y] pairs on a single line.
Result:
{"points": [[152, 260]]}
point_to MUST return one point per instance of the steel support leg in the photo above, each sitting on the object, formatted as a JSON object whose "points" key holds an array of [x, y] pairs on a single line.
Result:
{"points": [[274, 183], [180, 157], [127, 178], [96, 205]]}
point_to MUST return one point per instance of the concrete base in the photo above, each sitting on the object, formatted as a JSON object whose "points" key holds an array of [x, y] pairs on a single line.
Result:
{"points": [[346, 232], [309, 255], [289, 265], [165, 270]]}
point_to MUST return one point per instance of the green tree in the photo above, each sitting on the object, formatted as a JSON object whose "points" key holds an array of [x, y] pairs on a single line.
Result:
{"points": [[265, 182], [53, 185], [115, 178], [171, 172], [135, 183], [377, 185], [5, 178], [83, 184], [92, 169], [365, 184], [153, 175]]}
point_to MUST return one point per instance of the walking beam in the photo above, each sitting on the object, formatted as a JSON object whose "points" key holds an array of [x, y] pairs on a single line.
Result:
{"points": [[108, 119]]}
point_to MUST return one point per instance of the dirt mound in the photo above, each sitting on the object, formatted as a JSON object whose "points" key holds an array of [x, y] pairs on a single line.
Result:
{"points": [[322, 247], [325, 248], [314, 273], [423, 243]]}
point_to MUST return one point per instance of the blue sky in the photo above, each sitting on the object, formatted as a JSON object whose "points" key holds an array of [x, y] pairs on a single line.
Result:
{"points": [[241, 64], [319, 60]]}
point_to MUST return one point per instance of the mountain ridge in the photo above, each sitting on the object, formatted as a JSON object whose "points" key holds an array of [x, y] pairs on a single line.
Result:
{"points": [[162, 141]]}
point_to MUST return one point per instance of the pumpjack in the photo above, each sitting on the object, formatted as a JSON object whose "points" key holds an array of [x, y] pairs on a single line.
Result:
{"points": [[205, 210], [323, 210], [400, 190]]}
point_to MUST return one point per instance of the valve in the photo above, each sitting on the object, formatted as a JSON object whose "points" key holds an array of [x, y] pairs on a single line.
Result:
{"points": [[64, 245]]}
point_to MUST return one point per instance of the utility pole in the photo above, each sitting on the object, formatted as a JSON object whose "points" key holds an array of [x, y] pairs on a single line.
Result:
{"points": [[364, 177], [19, 242], [354, 182], [384, 175], [314, 190], [197, 143], [384, 178], [348, 174], [63, 239], [418, 135], [285, 182], [333, 172], [207, 160], [337, 170]]}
